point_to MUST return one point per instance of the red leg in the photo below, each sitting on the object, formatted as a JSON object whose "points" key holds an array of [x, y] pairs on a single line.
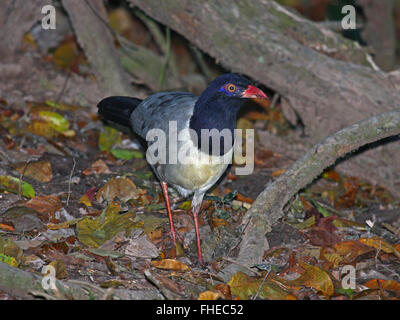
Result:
{"points": [[171, 222], [196, 226]]}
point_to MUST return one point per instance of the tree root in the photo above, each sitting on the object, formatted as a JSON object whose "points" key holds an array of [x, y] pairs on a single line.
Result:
{"points": [[268, 207]]}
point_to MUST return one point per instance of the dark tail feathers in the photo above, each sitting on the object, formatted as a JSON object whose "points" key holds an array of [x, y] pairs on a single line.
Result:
{"points": [[118, 109]]}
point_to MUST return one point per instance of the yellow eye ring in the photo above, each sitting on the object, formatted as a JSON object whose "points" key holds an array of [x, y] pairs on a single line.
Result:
{"points": [[231, 87]]}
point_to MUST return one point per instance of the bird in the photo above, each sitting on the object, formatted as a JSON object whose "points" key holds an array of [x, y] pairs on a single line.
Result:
{"points": [[216, 108]]}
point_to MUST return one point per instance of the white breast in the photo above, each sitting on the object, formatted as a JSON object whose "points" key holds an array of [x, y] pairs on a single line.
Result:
{"points": [[194, 170]]}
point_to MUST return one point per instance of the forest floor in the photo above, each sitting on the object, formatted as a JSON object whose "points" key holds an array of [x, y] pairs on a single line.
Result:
{"points": [[77, 194]]}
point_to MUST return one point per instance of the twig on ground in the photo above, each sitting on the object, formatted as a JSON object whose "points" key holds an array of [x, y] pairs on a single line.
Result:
{"points": [[242, 265], [42, 295], [164, 291], [64, 86], [70, 180], [21, 176], [88, 285], [108, 294], [261, 285]]}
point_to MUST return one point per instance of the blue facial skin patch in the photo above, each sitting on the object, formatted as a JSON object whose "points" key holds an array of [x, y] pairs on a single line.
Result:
{"points": [[222, 89]]}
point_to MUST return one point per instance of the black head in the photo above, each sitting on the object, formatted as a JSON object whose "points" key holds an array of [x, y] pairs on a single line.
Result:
{"points": [[230, 86], [218, 105]]}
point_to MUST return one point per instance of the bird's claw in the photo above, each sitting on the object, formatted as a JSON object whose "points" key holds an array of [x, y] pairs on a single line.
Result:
{"points": [[199, 264]]}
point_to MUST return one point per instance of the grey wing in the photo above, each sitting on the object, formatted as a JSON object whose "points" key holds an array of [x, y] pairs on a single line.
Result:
{"points": [[158, 110]]}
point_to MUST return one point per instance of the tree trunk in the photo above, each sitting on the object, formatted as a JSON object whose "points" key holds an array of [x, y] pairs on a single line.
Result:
{"points": [[89, 20], [379, 31], [396, 10], [16, 18], [327, 79]]}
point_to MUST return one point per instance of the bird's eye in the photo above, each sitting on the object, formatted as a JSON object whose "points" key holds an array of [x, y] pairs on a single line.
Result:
{"points": [[231, 87]]}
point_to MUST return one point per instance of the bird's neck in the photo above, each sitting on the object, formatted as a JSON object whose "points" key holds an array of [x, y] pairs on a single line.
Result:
{"points": [[220, 114]]}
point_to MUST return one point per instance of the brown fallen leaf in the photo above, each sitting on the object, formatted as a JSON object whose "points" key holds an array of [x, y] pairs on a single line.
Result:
{"points": [[121, 188], [42, 128], [85, 200], [326, 223], [242, 198], [23, 219], [38, 151], [255, 115], [63, 225], [97, 167], [306, 204], [155, 234], [59, 267], [322, 237], [262, 157], [390, 285], [264, 103], [170, 264], [244, 287], [9, 142], [277, 173], [351, 249], [331, 175], [45, 204], [38, 170], [7, 227], [88, 197], [218, 222], [347, 200], [380, 244], [231, 176], [171, 285], [331, 258], [209, 295], [142, 247], [68, 55], [314, 277], [225, 290]]}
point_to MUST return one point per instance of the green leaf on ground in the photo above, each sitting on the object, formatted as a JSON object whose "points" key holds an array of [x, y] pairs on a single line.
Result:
{"points": [[108, 138], [305, 224], [93, 232], [9, 260], [125, 154], [12, 184], [10, 252], [56, 120], [245, 287]]}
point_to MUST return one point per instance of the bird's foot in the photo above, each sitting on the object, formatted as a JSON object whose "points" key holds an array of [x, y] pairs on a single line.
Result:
{"points": [[179, 237], [200, 263], [175, 235]]}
